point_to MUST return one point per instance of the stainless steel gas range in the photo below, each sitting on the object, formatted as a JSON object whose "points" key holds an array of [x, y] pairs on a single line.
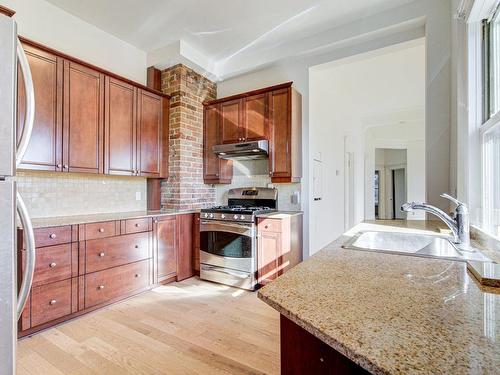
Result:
{"points": [[228, 237]]}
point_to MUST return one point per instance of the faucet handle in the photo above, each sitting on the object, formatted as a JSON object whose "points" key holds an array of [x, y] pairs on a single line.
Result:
{"points": [[454, 200]]}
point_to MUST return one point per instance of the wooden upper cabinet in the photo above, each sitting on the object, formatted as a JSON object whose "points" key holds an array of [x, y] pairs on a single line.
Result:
{"points": [[255, 122], [44, 150], [149, 125], [83, 124], [280, 123], [215, 170], [231, 121], [120, 124]]}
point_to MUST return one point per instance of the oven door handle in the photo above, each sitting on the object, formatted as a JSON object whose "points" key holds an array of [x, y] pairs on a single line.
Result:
{"points": [[211, 226], [241, 275]]}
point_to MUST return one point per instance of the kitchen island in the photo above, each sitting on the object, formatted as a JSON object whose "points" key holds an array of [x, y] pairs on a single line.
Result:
{"points": [[348, 311]]}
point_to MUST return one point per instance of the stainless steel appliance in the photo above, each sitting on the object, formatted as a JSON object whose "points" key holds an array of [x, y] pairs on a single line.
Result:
{"points": [[243, 151], [228, 241], [11, 154]]}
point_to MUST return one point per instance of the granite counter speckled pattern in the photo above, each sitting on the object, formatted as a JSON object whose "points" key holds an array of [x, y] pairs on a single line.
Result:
{"points": [[393, 314], [94, 218]]}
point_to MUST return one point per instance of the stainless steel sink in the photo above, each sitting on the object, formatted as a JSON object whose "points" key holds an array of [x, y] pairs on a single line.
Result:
{"points": [[412, 244]]}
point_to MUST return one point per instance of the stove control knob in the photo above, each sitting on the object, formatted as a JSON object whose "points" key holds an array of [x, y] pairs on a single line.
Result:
{"points": [[206, 215], [211, 216], [235, 217], [242, 217], [222, 216]]}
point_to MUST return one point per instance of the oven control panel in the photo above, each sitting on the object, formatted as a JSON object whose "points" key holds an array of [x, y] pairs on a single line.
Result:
{"points": [[248, 218]]}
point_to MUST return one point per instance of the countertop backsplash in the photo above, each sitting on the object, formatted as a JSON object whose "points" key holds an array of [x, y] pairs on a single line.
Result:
{"points": [[249, 173], [49, 194]]}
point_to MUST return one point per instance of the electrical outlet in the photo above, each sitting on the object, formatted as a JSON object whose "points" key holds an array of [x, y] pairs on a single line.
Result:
{"points": [[138, 196]]}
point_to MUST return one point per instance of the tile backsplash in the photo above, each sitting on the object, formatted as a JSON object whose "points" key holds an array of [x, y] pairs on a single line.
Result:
{"points": [[48, 194], [249, 173]]}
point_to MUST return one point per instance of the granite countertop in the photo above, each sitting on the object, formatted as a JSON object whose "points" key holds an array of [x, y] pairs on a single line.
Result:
{"points": [[393, 314], [94, 218], [280, 214]]}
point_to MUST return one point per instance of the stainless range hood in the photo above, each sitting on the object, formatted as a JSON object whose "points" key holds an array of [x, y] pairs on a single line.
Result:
{"points": [[243, 151]]}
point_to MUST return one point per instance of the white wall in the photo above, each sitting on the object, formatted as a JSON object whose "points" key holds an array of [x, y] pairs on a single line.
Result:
{"points": [[45, 23], [437, 18], [363, 100]]}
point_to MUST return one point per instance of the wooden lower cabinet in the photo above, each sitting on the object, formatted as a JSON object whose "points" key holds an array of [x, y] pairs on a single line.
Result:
{"points": [[304, 353], [279, 245], [84, 267], [107, 285]]}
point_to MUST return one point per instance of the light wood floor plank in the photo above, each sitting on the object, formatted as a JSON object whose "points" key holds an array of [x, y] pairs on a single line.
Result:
{"points": [[191, 327]]}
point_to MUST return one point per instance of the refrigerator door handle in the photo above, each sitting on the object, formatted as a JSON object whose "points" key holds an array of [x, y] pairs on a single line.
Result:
{"points": [[29, 267], [30, 104]]}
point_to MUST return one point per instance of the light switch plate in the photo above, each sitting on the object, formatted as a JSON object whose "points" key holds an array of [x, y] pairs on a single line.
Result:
{"points": [[138, 196]]}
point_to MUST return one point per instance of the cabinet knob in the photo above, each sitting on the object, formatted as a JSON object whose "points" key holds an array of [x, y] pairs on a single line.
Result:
{"points": [[52, 265], [101, 254], [155, 221], [136, 246], [137, 225], [101, 287], [137, 275], [270, 173], [52, 235], [53, 302], [59, 165], [101, 230], [266, 226], [65, 166]]}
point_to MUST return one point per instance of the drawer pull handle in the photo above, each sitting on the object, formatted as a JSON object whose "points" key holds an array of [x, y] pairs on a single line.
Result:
{"points": [[137, 275], [266, 226], [53, 302], [52, 265], [137, 225], [101, 254], [101, 286], [101, 230], [52, 235], [136, 246]]}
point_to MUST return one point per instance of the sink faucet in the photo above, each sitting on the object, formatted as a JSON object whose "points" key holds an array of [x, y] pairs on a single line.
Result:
{"points": [[458, 223]]}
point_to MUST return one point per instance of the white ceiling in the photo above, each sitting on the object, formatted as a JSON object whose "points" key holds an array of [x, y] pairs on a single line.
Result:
{"points": [[223, 29]]}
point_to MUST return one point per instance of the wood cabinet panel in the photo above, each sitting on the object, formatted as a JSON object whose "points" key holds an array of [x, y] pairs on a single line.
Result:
{"points": [[185, 246], [268, 252], [215, 170], [149, 133], [196, 243], [255, 124], [166, 247], [116, 251], [51, 301], [53, 263], [120, 122], [83, 119], [136, 225], [280, 125], [44, 150], [231, 121], [115, 282], [98, 230], [52, 235]]}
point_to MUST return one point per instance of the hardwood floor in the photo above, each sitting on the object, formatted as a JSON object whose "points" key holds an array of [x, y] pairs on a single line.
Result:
{"points": [[191, 327]]}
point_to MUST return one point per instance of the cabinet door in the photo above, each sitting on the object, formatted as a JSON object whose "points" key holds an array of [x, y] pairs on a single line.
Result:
{"points": [[149, 134], [185, 260], [215, 170], [255, 125], [45, 147], [268, 253], [231, 121], [120, 128], [83, 119], [166, 239], [280, 165]]}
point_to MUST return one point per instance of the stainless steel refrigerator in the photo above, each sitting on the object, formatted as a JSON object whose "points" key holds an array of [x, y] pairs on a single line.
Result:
{"points": [[12, 148]]}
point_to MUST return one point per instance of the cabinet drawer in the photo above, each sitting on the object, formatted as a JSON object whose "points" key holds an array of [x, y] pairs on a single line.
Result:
{"points": [[269, 225], [136, 225], [52, 236], [53, 263], [100, 230], [116, 251], [109, 284], [51, 301]]}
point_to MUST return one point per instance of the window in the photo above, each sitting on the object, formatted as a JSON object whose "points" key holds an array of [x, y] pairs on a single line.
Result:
{"points": [[490, 129]]}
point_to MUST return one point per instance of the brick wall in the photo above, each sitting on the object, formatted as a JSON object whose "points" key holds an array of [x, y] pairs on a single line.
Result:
{"points": [[184, 187]]}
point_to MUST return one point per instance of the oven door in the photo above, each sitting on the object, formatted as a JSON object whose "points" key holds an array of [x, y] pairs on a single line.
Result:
{"points": [[228, 245]]}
